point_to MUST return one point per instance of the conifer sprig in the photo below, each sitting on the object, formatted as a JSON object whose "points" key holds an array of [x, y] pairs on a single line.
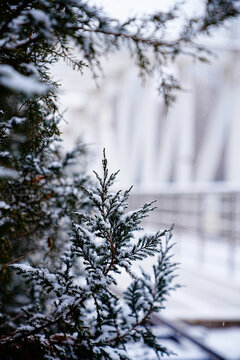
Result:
{"points": [[76, 310]]}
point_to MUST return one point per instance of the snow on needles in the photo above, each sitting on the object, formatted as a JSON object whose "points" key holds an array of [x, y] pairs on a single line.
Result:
{"points": [[13, 80]]}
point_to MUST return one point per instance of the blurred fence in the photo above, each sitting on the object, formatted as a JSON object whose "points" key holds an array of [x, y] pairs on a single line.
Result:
{"points": [[209, 212]]}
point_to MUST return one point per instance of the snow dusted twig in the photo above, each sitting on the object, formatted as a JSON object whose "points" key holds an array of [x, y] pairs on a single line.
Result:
{"points": [[103, 244], [13, 261], [112, 255]]}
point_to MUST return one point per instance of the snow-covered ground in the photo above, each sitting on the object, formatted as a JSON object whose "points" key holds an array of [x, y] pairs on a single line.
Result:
{"points": [[210, 280], [210, 292], [225, 342]]}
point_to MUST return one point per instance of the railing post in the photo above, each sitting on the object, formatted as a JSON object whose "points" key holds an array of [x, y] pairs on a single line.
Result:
{"points": [[201, 235], [232, 239]]}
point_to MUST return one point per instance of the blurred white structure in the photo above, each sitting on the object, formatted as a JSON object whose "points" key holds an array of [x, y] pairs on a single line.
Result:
{"points": [[198, 140]]}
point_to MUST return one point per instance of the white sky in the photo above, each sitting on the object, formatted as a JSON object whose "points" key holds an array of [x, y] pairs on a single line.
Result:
{"points": [[124, 8]]}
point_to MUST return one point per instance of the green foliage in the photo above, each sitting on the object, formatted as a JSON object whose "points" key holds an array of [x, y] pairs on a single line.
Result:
{"points": [[38, 186], [81, 313], [34, 35]]}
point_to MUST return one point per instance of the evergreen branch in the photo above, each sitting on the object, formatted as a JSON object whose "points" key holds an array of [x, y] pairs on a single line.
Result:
{"points": [[134, 37], [201, 25], [13, 15], [137, 324], [11, 338], [21, 43], [13, 261], [20, 335], [112, 255], [147, 245], [163, 271]]}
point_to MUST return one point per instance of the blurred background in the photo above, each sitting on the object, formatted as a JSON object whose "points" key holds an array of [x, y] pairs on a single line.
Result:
{"points": [[187, 158]]}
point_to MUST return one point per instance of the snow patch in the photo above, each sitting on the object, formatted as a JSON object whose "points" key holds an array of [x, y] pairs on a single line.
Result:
{"points": [[3, 205], [13, 80], [6, 172]]}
